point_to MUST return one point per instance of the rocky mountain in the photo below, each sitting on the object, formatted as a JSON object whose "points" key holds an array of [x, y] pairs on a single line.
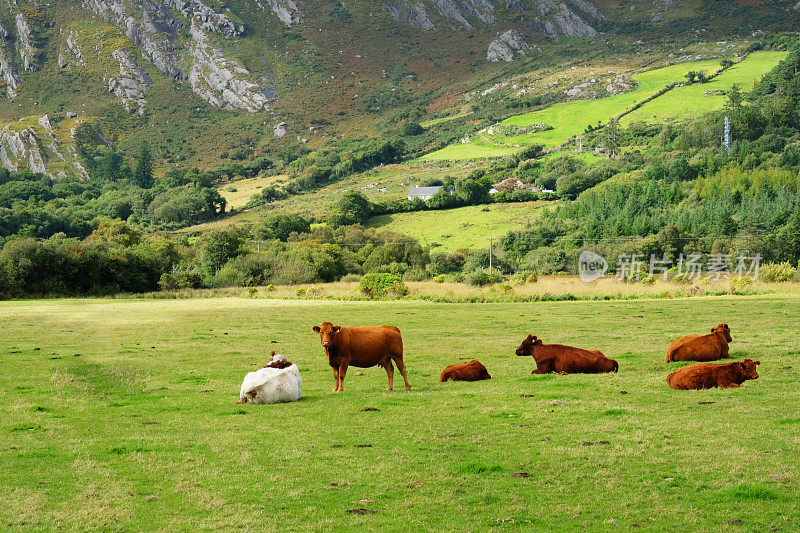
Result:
{"points": [[571, 18], [200, 77]]}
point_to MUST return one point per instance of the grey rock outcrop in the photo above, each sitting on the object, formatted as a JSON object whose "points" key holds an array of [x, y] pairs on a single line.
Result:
{"points": [[280, 129], [482, 10], [74, 48], [507, 46], [151, 27], [132, 83], [26, 44], [209, 19], [449, 10], [9, 80], [220, 81], [285, 10], [19, 149], [3, 32], [409, 13], [549, 17], [553, 17]]}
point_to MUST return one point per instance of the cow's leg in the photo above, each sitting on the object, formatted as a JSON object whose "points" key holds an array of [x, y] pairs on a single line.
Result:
{"points": [[389, 373], [342, 373], [730, 385], [543, 367], [401, 366], [335, 379]]}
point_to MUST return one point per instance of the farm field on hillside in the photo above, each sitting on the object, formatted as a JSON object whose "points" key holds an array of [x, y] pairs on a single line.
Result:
{"points": [[463, 227], [571, 118], [381, 184], [692, 100], [120, 414], [245, 189]]}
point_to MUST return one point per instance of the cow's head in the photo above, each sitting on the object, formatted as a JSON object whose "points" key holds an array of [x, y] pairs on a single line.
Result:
{"points": [[326, 333], [526, 348], [748, 368], [725, 330]]}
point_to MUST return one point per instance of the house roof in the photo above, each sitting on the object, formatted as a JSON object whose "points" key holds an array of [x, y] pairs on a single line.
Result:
{"points": [[423, 191]]}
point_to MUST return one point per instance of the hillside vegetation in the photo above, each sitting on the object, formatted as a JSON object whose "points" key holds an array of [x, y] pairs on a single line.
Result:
{"points": [[569, 119]]}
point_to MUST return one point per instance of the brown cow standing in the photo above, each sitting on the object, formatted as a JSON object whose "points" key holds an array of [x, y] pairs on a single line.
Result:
{"points": [[708, 347], [472, 371], [565, 359], [710, 375], [362, 346]]}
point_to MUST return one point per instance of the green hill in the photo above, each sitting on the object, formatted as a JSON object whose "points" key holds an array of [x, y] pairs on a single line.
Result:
{"points": [[567, 120]]}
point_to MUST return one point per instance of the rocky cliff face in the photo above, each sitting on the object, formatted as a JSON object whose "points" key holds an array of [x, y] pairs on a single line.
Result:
{"points": [[9, 80], [131, 84], [220, 81], [19, 149], [216, 77], [150, 26], [208, 19], [35, 147], [285, 10], [507, 46], [26, 44], [549, 17]]}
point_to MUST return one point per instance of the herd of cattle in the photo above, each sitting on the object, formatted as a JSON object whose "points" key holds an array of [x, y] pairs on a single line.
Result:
{"points": [[368, 346]]}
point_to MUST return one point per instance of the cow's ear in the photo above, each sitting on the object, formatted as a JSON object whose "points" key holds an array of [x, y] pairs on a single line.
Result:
{"points": [[316, 328], [272, 354], [756, 363], [336, 329]]}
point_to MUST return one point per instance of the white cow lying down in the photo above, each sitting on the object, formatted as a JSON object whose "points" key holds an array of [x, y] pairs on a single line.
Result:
{"points": [[275, 383]]}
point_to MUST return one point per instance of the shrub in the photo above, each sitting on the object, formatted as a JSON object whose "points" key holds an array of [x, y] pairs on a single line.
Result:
{"points": [[481, 278], [777, 272], [378, 284]]}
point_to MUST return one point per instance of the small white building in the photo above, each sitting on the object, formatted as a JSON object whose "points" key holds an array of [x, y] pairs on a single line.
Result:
{"points": [[422, 193]]}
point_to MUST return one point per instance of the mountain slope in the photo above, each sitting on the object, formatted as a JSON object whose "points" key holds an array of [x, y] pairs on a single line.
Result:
{"points": [[200, 78]]}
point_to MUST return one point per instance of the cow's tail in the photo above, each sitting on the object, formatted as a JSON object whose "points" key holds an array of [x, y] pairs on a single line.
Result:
{"points": [[616, 366]]}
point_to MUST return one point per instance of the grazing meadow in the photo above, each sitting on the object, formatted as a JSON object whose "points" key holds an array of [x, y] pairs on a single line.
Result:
{"points": [[568, 119], [463, 227], [120, 414]]}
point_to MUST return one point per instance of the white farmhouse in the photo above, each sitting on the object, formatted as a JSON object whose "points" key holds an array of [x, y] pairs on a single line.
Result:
{"points": [[422, 193]]}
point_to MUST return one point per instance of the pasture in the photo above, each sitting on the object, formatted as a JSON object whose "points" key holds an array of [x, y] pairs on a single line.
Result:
{"points": [[569, 119], [120, 415], [699, 98], [462, 227]]}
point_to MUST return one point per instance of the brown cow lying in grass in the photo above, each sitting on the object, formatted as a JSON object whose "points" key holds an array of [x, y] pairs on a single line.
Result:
{"points": [[363, 346], [472, 371], [565, 359], [708, 347], [710, 375]]}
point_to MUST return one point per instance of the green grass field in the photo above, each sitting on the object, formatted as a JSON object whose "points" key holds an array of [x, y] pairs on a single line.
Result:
{"points": [[119, 415], [464, 227], [692, 100], [571, 118]]}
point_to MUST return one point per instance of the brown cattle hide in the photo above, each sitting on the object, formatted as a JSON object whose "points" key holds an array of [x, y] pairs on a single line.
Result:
{"points": [[565, 359], [710, 375], [708, 347], [472, 371], [362, 346]]}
